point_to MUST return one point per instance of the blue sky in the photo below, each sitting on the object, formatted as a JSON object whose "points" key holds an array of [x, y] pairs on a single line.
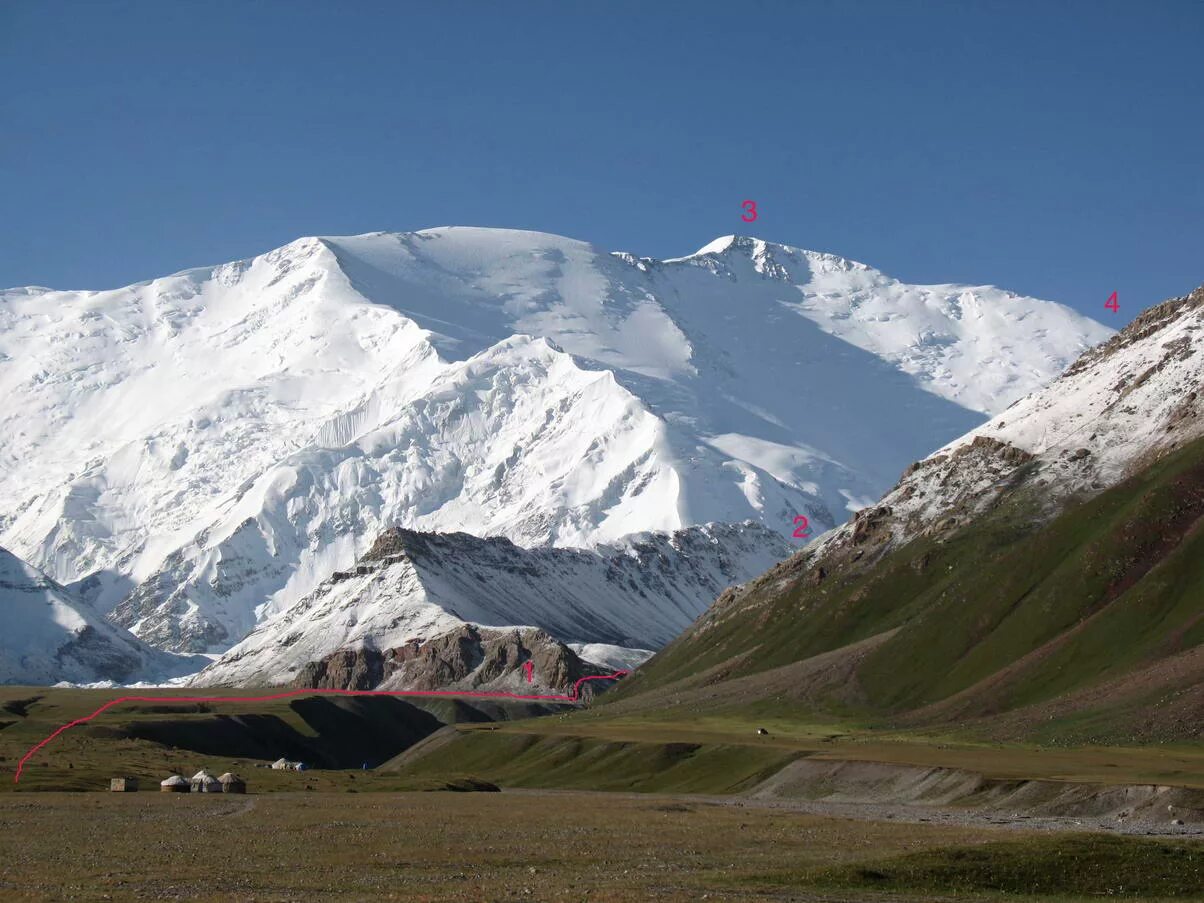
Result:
{"points": [[1054, 148]]}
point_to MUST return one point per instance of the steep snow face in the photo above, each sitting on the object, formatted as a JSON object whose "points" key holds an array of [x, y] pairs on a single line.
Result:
{"points": [[133, 416], [610, 602], [50, 637], [200, 451], [977, 345]]}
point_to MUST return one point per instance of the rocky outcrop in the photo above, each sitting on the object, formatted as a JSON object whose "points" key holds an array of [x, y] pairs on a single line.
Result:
{"points": [[466, 658], [1148, 323], [347, 669], [475, 657]]}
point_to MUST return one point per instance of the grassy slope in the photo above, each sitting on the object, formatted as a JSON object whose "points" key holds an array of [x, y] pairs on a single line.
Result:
{"points": [[593, 763], [547, 753], [1002, 613]]}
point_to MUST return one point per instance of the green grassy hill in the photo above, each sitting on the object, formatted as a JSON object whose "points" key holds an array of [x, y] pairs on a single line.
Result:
{"points": [[1086, 626]]}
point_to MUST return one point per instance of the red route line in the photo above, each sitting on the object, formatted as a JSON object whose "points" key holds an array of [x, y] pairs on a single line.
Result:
{"points": [[571, 696]]}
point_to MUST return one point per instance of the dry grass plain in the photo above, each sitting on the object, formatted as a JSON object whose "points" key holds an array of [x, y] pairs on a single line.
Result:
{"points": [[540, 846], [441, 846]]}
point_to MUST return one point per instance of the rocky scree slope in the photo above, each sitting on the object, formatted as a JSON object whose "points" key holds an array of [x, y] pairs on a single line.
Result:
{"points": [[612, 602], [1043, 572], [198, 452]]}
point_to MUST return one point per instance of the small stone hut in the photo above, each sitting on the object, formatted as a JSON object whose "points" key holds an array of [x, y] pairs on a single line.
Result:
{"points": [[232, 783], [123, 785], [204, 782], [174, 784]]}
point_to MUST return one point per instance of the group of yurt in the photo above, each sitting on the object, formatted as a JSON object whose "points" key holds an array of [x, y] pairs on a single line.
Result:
{"points": [[204, 782]]}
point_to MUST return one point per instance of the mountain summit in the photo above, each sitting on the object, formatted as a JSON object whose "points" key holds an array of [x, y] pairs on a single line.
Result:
{"points": [[198, 452]]}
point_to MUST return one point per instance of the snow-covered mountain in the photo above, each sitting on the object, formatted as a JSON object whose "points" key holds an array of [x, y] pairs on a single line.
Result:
{"points": [[48, 636], [199, 452], [635, 594]]}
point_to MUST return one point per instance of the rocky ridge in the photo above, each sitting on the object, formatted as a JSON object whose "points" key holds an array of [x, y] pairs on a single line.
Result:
{"points": [[413, 586], [467, 657]]}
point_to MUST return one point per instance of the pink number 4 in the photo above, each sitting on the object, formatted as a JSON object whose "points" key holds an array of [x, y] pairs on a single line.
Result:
{"points": [[1112, 303]]}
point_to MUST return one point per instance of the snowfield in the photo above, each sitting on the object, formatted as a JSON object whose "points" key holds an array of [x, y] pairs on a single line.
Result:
{"points": [[196, 454]]}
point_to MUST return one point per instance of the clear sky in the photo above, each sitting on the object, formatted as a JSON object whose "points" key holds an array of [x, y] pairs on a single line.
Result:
{"points": [[1053, 148]]}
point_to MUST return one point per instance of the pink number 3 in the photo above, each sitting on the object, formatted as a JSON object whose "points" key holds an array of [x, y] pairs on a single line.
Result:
{"points": [[751, 208], [799, 531]]}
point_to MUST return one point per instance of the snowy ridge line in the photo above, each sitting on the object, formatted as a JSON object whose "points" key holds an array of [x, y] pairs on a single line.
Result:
{"points": [[571, 696]]}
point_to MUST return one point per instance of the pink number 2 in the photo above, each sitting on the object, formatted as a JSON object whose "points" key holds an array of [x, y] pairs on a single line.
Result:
{"points": [[799, 531]]}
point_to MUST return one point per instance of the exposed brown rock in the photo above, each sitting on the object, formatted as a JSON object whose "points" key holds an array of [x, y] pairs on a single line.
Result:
{"points": [[1005, 451], [468, 657], [871, 523], [347, 669]]}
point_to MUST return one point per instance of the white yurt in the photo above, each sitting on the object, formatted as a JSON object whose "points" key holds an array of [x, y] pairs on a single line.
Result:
{"points": [[174, 784], [204, 782]]}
